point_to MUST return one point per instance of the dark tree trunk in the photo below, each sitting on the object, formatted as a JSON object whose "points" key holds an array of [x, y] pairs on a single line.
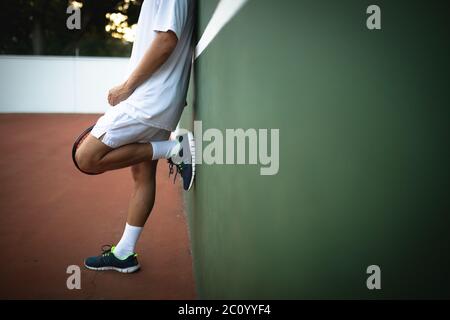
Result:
{"points": [[37, 38]]}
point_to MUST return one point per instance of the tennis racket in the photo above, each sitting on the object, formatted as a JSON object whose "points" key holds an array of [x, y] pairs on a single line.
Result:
{"points": [[77, 144]]}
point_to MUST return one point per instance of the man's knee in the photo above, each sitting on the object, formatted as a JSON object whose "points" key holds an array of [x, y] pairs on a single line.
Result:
{"points": [[89, 155], [143, 172], [87, 162]]}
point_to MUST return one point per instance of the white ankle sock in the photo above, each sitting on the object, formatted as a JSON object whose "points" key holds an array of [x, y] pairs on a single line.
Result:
{"points": [[126, 245], [165, 149]]}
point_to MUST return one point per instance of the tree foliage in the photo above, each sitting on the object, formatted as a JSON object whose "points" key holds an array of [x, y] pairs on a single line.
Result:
{"points": [[39, 27]]}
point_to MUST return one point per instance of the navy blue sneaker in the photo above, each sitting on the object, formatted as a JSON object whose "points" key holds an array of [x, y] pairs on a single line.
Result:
{"points": [[108, 261], [184, 161]]}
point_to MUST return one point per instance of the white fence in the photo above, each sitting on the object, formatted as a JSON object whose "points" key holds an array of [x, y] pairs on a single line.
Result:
{"points": [[58, 84]]}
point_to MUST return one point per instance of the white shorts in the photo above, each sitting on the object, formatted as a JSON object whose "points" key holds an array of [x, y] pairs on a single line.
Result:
{"points": [[116, 128]]}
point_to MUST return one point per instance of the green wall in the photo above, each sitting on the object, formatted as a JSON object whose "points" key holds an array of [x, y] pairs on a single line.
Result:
{"points": [[364, 153]]}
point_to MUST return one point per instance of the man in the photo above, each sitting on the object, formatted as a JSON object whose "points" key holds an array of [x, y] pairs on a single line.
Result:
{"points": [[146, 108]]}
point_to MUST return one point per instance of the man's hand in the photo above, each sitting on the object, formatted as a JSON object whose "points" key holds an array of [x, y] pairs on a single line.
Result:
{"points": [[118, 94]]}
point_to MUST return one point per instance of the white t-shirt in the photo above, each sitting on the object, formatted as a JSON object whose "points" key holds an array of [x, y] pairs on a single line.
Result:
{"points": [[160, 100]]}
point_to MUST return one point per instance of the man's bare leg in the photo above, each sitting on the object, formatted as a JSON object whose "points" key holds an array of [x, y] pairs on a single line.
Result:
{"points": [[94, 156], [143, 194], [140, 207]]}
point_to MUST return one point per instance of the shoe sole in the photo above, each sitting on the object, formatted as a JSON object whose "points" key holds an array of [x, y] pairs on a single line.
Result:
{"points": [[121, 270], [191, 142]]}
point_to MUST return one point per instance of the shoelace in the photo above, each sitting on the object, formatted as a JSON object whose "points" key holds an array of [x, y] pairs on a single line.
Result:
{"points": [[106, 250], [179, 169]]}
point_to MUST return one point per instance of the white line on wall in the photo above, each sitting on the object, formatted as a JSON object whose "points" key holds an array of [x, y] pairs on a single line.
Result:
{"points": [[225, 11]]}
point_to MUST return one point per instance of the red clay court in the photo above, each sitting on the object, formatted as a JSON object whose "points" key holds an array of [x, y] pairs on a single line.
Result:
{"points": [[52, 216]]}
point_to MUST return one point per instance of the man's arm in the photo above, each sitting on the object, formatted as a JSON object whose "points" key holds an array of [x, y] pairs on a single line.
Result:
{"points": [[158, 53]]}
